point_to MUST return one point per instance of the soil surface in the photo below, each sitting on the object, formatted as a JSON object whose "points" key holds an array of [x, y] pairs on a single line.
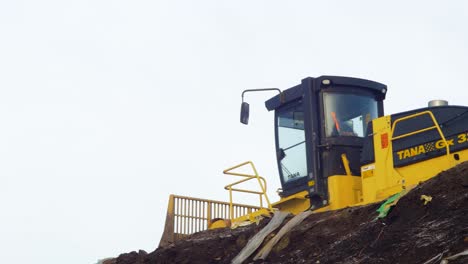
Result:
{"points": [[411, 233]]}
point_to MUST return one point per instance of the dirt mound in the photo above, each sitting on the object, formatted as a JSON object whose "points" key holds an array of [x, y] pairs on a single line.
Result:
{"points": [[411, 233]]}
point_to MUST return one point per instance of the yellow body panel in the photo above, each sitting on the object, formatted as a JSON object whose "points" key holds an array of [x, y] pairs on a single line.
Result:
{"points": [[294, 204], [219, 223], [373, 175], [344, 191]]}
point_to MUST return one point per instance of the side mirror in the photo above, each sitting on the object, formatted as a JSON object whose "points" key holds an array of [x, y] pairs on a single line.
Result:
{"points": [[244, 117]]}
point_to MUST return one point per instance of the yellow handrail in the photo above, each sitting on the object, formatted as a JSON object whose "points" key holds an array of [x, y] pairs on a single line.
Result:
{"points": [[261, 182], [435, 126]]}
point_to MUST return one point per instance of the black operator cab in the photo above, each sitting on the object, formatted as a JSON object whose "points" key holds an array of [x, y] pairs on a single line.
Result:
{"points": [[315, 123]]}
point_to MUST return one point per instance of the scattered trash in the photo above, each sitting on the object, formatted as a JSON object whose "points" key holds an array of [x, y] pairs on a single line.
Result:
{"points": [[426, 198]]}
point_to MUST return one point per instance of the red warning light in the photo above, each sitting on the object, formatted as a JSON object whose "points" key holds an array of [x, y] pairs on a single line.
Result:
{"points": [[384, 140]]}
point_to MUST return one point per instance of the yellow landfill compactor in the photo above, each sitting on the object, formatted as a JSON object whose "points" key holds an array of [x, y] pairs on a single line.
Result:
{"points": [[335, 148]]}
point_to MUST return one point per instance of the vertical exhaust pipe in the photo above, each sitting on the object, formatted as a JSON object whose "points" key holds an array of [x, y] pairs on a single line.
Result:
{"points": [[434, 103]]}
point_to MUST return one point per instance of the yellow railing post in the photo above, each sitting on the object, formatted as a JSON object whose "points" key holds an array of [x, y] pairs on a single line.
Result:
{"points": [[168, 235], [208, 213], [231, 210]]}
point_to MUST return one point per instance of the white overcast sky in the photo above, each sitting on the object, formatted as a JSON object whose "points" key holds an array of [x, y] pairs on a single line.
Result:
{"points": [[107, 107]]}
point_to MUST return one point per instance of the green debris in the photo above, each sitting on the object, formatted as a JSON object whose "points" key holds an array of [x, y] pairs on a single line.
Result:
{"points": [[389, 203]]}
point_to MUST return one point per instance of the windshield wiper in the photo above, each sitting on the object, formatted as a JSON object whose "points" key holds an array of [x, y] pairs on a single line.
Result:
{"points": [[295, 145], [281, 152]]}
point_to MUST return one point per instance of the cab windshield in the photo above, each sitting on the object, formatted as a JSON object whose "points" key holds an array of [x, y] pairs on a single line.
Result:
{"points": [[348, 114], [291, 143]]}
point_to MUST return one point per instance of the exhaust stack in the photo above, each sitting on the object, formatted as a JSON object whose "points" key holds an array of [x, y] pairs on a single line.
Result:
{"points": [[433, 103]]}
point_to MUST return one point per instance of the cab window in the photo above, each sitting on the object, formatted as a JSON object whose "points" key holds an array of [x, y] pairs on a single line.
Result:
{"points": [[291, 143], [348, 114]]}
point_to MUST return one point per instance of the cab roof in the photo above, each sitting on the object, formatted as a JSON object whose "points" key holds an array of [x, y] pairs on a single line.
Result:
{"points": [[296, 92]]}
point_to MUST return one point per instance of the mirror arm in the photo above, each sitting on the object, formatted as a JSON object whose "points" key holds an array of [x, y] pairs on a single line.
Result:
{"points": [[265, 89], [244, 118]]}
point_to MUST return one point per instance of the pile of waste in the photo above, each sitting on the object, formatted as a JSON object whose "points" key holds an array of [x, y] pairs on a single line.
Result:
{"points": [[428, 224]]}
